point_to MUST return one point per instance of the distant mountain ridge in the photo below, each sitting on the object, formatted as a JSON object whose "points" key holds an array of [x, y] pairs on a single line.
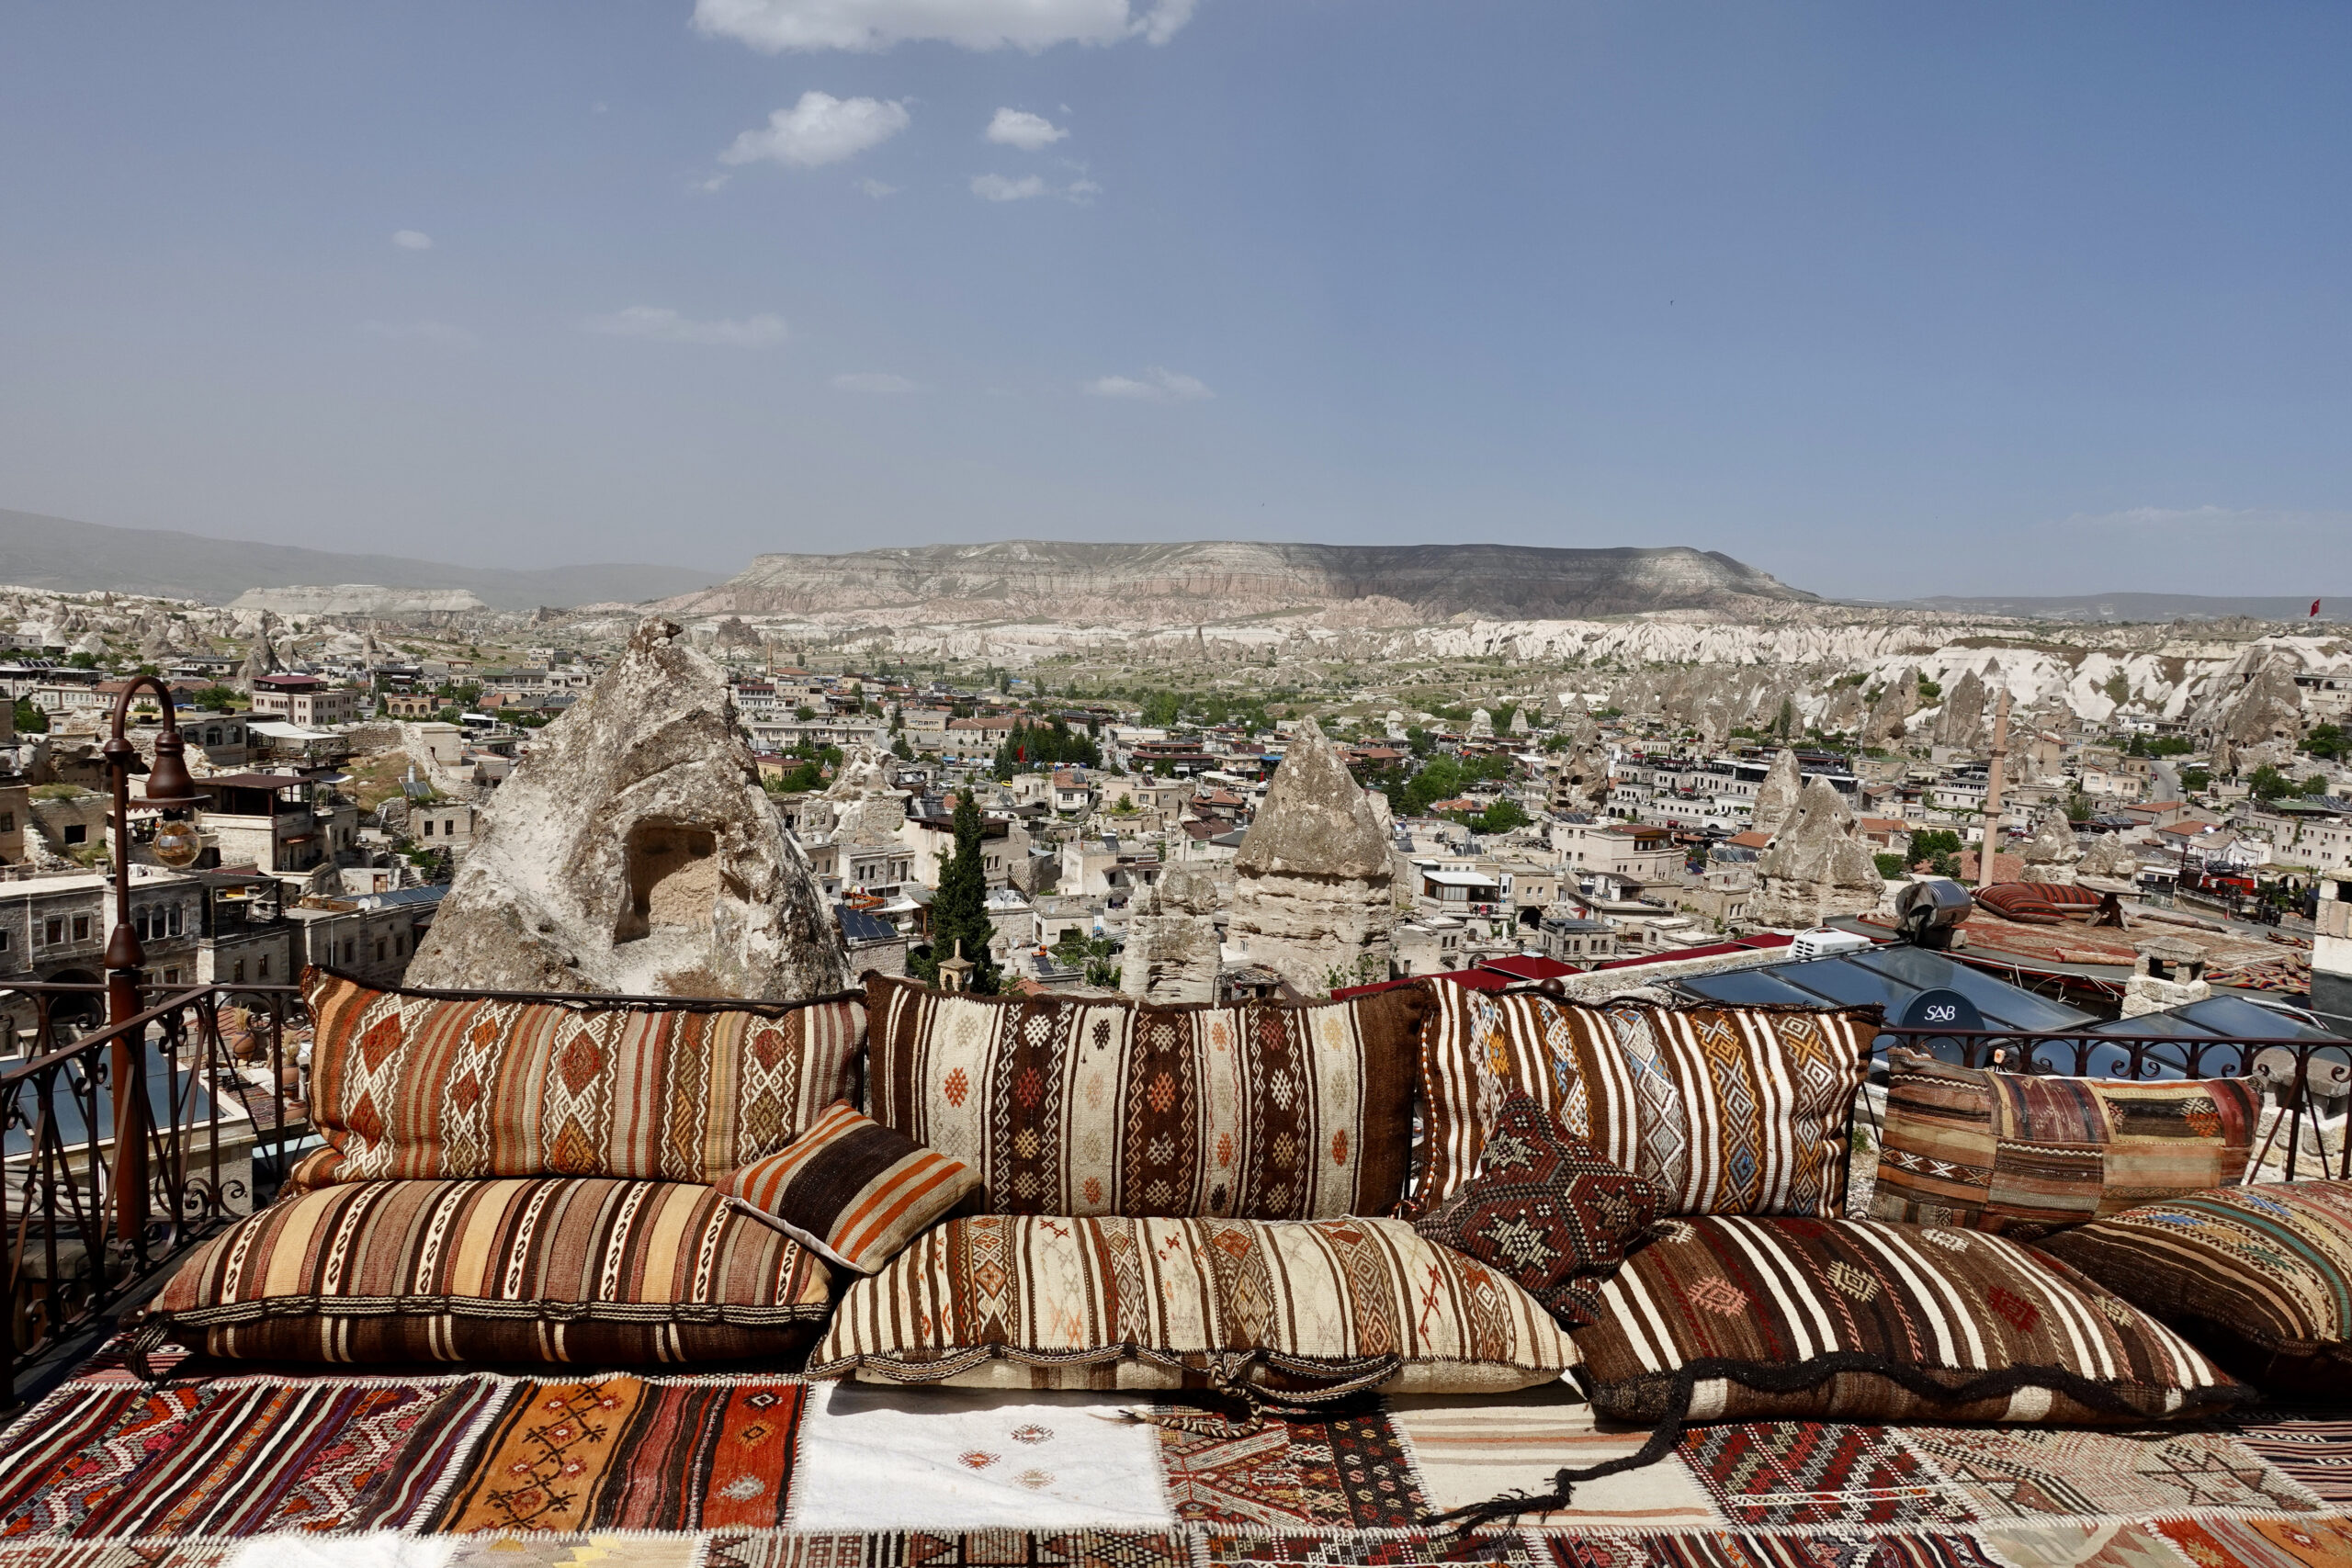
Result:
{"points": [[1224, 580], [2142, 606], [88, 557]]}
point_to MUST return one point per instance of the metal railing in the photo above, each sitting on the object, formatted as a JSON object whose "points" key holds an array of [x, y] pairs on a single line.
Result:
{"points": [[121, 1146], [2299, 1075]]}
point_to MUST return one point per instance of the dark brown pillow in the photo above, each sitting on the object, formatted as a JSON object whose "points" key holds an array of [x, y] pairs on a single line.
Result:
{"points": [[1546, 1211]]}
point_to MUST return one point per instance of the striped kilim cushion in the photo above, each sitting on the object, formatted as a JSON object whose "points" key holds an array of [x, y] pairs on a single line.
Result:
{"points": [[405, 1083], [2260, 1275], [1853, 1320], [1266, 1111], [1725, 1110], [559, 1269], [852, 1190], [1032, 1301], [2023, 1154]]}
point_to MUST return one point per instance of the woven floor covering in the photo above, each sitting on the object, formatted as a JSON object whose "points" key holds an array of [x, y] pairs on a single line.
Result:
{"points": [[478, 1471]]}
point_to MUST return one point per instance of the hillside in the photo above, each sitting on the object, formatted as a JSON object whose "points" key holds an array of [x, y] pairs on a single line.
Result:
{"points": [[1218, 581], [86, 557], [2140, 606]]}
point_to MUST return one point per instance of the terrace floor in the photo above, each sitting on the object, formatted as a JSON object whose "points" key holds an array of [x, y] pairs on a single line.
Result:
{"points": [[218, 1465]]}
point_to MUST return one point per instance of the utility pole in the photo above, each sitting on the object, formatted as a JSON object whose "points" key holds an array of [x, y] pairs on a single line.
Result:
{"points": [[1984, 877]]}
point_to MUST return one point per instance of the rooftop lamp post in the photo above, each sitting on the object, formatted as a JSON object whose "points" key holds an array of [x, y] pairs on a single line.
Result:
{"points": [[176, 844]]}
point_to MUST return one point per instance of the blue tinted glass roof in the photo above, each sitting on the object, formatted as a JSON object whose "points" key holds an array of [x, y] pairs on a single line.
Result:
{"points": [[1746, 988]]}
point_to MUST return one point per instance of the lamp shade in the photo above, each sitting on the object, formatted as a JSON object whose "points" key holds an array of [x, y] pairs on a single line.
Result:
{"points": [[168, 782]]}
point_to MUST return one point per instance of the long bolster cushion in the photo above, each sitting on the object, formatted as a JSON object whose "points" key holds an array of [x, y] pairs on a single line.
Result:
{"points": [[1306, 1308], [2260, 1275], [414, 1084], [1739, 1318], [565, 1270]]}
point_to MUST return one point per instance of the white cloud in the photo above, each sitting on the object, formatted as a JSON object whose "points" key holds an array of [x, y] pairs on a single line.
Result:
{"points": [[819, 129], [1082, 191], [876, 189], [418, 332], [880, 381], [713, 185], [774, 26], [658, 323], [996, 187], [1158, 384], [1018, 128], [412, 240]]}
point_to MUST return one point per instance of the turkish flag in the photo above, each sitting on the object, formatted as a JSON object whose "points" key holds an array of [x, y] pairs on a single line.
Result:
{"points": [[2314, 609]]}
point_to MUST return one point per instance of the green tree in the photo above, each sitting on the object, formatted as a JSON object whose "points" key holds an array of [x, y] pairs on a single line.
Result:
{"points": [[2268, 783], [1930, 691], [83, 661], [1161, 710], [2327, 742], [959, 909], [218, 699], [1499, 818], [1938, 849], [2196, 778], [30, 720], [2315, 784], [900, 749], [1890, 865]]}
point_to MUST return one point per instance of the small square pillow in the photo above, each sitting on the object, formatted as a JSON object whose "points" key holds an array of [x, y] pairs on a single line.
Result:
{"points": [[2025, 1154], [1546, 1211], [2259, 1275], [852, 1190]]}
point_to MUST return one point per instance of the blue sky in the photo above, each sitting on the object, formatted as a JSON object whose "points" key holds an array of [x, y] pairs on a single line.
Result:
{"points": [[1885, 299]]}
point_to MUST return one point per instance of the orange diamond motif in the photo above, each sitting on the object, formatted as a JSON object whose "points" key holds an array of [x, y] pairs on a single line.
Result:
{"points": [[956, 1087], [380, 1041], [573, 1154], [363, 1119], [1339, 1147], [1716, 1293], [1162, 1093], [466, 1093], [579, 1063]]}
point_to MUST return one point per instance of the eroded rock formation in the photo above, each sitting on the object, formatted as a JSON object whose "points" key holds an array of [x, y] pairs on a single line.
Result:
{"points": [[2051, 855], [633, 850], [1777, 797], [1817, 866], [1172, 953], [1313, 897]]}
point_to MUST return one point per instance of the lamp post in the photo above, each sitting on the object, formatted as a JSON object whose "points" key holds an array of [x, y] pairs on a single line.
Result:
{"points": [[170, 787]]}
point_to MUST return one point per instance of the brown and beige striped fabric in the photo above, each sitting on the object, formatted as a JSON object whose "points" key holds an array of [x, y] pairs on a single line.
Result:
{"points": [[581, 1269], [2025, 1154], [1878, 1307], [410, 1084], [1267, 1111], [1725, 1110], [1035, 1302], [852, 1190]]}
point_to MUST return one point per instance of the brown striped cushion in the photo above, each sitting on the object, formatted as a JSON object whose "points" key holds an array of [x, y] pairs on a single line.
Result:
{"points": [[1725, 1110], [1268, 1110], [852, 1190], [2025, 1154], [405, 1083], [1853, 1320], [582, 1269], [1032, 1301]]}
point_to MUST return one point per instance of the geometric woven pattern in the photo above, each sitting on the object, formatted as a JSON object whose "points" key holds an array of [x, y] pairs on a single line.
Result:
{"points": [[1544, 1209], [2024, 1153], [577, 1269], [1725, 1110], [998, 1301], [1858, 1320], [695, 1470], [403, 1085], [850, 1189], [1264, 1111], [2261, 1275]]}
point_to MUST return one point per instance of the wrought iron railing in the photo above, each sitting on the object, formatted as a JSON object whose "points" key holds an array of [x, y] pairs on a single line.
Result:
{"points": [[122, 1146], [2306, 1079]]}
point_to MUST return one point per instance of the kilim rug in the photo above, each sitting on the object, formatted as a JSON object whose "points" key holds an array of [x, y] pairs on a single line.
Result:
{"points": [[479, 1470]]}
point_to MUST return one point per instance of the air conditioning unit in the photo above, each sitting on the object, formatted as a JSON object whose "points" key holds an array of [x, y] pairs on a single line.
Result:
{"points": [[1821, 941]]}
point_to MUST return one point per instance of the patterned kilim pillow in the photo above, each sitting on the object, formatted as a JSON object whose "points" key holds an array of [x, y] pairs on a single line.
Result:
{"points": [[852, 1190], [1732, 1318], [1320, 1306], [2023, 1154], [581, 1269], [408, 1084], [1268, 1110], [1546, 1211], [1727, 1110], [2261, 1275]]}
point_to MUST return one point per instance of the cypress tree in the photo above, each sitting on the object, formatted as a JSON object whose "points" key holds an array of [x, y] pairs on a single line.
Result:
{"points": [[959, 909]]}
